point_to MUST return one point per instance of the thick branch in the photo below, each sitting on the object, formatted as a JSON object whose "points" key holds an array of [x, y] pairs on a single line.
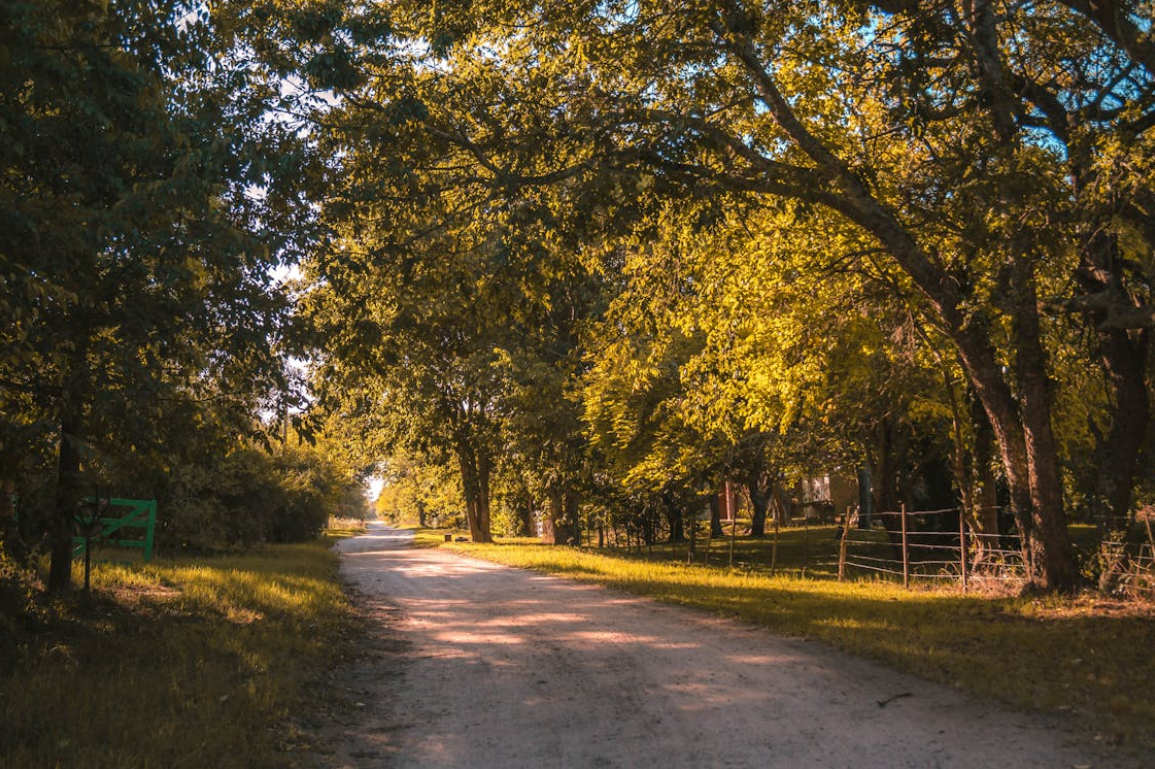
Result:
{"points": [[1113, 18], [1114, 314]]}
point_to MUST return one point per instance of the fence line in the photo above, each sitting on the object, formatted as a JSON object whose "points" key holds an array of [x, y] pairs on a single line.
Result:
{"points": [[1136, 570], [913, 556]]}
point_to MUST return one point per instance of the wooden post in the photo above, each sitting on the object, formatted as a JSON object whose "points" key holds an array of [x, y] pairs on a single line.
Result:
{"points": [[962, 547], [842, 546], [709, 541], [731, 513], [774, 549], [805, 542], [905, 552], [693, 532]]}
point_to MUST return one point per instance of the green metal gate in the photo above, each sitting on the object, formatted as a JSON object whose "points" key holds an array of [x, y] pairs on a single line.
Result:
{"points": [[134, 529]]}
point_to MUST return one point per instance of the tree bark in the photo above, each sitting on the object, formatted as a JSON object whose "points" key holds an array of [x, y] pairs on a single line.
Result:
{"points": [[985, 518], [674, 518], [561, 526], [573, 524], [67, 500], [1123, 355], [1048, 544], [525, 517], [716, 516], [551, 521], [1117, 453], [759, 487], [475, 489], [484, 471]]}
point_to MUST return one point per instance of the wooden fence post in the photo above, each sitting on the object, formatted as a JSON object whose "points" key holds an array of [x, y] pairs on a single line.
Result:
{"points": [[962, 547], [842, 546], [905, 552], [774, 549], [732, 514]]}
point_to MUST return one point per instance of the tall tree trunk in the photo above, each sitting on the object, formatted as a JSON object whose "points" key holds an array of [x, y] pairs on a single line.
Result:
{"points": [[758, 485], [525, 517], [1123, 354], [985, 519], [888, 453], [1049, 544], [986, 487], [649, 523], [716, 529], [469, 490], [551, 521], [475, 489], [782, 507], [561, 525], [573, 522], [674, 517], [884, 483], [484, 472], [1117, 453], [67, 501]]}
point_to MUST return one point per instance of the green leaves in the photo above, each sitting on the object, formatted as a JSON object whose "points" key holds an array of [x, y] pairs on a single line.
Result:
{"points": [[141, 311]]}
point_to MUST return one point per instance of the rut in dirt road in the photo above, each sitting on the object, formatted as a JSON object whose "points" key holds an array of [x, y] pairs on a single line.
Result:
{"points": [[488, 666]]}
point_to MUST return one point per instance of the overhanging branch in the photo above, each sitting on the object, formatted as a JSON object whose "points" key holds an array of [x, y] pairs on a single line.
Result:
{"points": [[1111, 313]]}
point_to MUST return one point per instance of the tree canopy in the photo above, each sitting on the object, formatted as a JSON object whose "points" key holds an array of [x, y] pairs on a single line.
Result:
{"points": [[563, 247]]}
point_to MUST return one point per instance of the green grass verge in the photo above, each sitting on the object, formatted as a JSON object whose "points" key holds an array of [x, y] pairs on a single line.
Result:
{"points": [[432, 537], [180, 663], [1082, 655]]}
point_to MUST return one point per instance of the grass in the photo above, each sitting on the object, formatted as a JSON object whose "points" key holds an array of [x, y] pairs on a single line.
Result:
{"points": [[341, 528], [186, 662], [1084, 655]]}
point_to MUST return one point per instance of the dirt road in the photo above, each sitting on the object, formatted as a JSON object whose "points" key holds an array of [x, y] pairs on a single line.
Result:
{"points": [[479, 665]]}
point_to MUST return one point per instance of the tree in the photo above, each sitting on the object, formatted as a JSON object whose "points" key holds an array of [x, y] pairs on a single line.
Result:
{"points": [[447, 312], [1022, 112], [133, 242], [418, 490]]}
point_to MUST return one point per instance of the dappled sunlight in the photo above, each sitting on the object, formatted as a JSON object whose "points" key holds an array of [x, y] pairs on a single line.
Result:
{"points": [[486, 647], [934, 633], [617, 637], [525, 620], [763, 659], [466, 637], [435, 604]]}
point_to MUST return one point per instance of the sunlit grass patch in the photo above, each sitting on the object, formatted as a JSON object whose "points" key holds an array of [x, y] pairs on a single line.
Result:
{"points": [[434, 537], [1053, 654], [184, 662], [343, 528]]}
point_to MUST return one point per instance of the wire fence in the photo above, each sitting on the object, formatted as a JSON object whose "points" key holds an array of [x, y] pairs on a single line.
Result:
{"points": [[930, 545], [979, 549], [1133, 568]]}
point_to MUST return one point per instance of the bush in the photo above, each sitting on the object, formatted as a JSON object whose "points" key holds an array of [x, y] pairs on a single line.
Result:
{"points": [[18, 610], [250, 497]]}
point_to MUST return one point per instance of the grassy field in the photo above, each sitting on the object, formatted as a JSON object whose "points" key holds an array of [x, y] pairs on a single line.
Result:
{"points": [[1083, 655], [180, 663]]}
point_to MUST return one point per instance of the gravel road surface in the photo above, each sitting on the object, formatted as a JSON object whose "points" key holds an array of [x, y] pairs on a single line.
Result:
{"points": [[472, 664]]}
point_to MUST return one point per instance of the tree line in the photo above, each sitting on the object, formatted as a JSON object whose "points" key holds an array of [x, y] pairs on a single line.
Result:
{"points": [[600, 257], [144, 342]]}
